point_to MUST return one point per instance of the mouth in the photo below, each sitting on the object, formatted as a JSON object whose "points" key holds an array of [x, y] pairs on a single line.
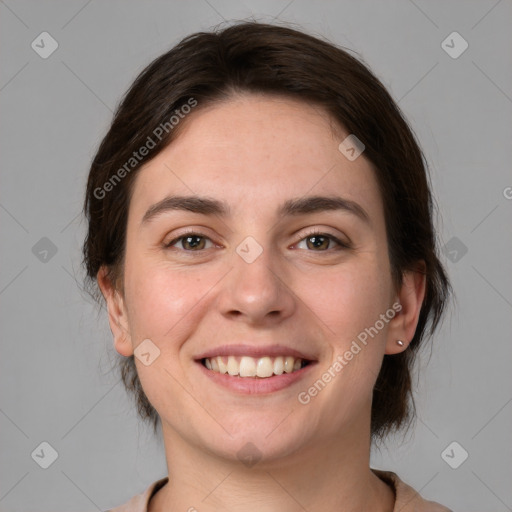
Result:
{"points": [[255, 370], [252, 367]]}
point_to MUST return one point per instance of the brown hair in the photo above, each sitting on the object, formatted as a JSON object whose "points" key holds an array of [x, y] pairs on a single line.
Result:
{"points": [[260, 58]]}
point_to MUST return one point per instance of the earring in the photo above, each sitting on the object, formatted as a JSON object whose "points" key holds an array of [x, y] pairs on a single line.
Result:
{"points": [[400, 342]]}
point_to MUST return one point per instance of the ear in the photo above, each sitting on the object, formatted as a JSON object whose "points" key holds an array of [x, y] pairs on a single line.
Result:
{"points": [[410, 297], [117, 313]]}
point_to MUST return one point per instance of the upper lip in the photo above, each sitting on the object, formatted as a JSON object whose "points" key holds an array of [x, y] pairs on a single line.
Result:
{"points": [[255, 351]]}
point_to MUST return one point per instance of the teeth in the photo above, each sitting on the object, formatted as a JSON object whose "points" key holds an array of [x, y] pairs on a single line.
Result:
{"points": [[278, 365], [233, 366], [265, 367], [288, 364], [246, 366], [222, 367]]}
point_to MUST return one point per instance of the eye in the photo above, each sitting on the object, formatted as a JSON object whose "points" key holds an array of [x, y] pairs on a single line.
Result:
{"points": [[319, 242], [191, 242], [316, 241]]}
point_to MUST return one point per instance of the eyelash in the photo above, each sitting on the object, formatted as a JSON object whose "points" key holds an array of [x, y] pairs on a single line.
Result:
{"points": [[341, 245]]}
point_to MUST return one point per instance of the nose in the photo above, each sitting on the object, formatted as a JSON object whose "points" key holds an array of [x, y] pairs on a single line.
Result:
{"points": [[257, 292]]}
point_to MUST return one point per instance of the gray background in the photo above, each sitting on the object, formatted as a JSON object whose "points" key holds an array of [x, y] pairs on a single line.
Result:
{"points": [[56, 384]]}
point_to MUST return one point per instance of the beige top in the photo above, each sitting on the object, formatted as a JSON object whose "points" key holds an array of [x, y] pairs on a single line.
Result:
{"points": [[406, 498]]}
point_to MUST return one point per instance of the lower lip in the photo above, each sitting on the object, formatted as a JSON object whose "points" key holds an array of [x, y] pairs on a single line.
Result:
{"points": [[256, 385]]}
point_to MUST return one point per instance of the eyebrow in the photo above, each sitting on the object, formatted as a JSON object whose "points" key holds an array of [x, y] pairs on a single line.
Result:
{"points": [[291, 207]]}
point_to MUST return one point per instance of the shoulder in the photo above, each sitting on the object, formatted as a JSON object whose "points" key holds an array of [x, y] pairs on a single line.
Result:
{"points": [[406, 498], [139, 503]]}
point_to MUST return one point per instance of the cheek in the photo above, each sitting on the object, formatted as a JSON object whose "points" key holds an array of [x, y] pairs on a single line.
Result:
{"points": [[164, 301], [348, 299], [349, 302]]}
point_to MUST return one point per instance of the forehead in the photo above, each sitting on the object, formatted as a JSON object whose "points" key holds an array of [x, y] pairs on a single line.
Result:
{"points": [[252, 150]]}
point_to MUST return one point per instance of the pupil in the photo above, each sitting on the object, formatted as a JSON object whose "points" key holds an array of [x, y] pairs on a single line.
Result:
{"points": [[193, 241], [317, 241]]}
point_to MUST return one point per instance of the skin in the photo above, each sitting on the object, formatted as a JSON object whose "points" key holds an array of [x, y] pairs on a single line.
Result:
{"points": [[314, 456]]}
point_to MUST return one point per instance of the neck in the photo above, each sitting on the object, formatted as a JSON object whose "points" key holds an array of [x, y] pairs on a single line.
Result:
{"points": [[332, 475]]}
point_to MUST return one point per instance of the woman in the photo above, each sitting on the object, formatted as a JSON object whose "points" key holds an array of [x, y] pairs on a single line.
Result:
{"points": [[260, 226]]}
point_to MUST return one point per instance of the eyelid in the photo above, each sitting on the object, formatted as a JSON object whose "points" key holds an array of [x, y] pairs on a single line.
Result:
{"points": [[341, 244], [178, 237]]}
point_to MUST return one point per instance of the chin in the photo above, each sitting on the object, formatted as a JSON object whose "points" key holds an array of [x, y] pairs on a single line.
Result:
{"points": [[257, 442]]}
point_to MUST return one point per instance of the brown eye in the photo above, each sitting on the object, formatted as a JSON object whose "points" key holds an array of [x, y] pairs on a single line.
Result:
{"points": [[318, 242], [321, 242], [189, 242], [193, 242]]}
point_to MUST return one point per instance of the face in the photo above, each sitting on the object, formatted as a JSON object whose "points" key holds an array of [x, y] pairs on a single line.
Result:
{"points": [[254, 270]]}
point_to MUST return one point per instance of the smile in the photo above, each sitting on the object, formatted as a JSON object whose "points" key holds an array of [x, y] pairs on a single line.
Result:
{"points": [[247, 366], [255, 369]]}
